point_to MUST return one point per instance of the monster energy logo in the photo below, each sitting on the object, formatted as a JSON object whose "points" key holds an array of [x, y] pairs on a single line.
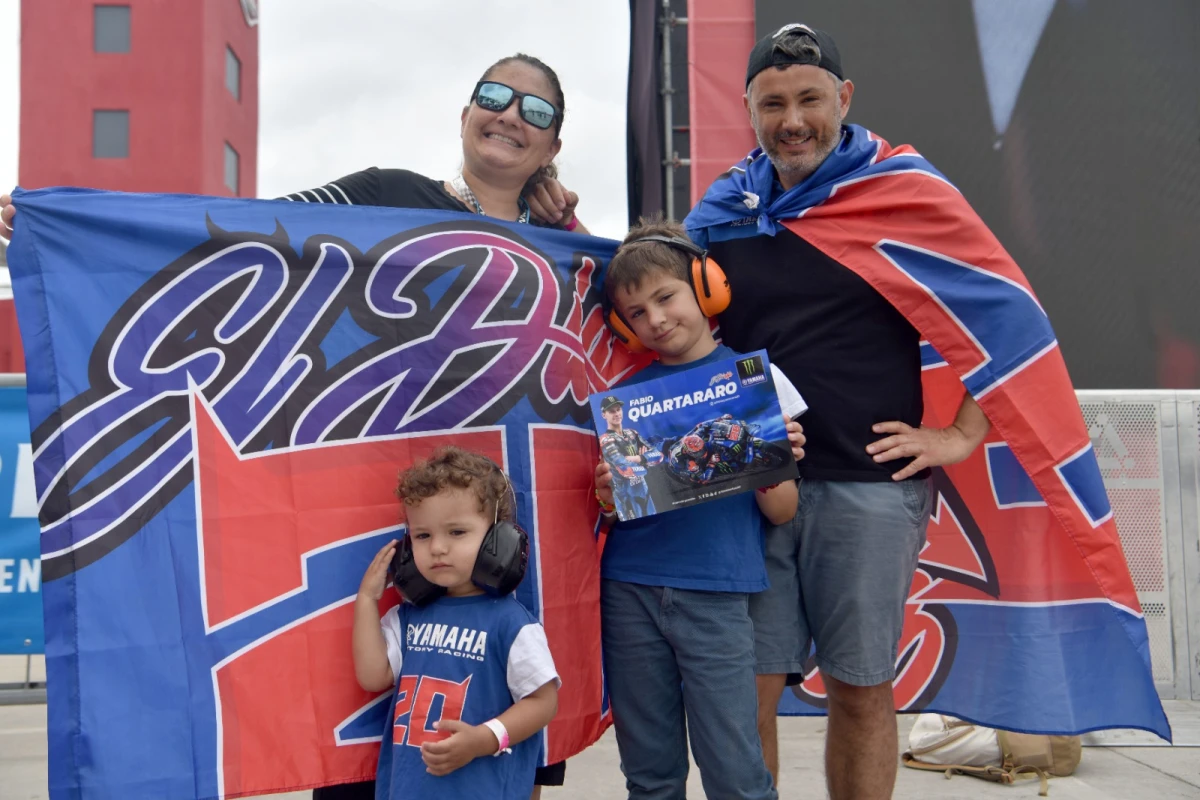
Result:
{"points": [[750, 370]]}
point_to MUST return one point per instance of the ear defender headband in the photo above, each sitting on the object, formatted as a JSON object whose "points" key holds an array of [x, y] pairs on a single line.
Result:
{"points": [[499, 566], [708, 281]]}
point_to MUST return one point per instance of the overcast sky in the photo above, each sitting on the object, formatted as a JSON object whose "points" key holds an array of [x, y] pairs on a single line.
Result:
{"points": [[365, 83], [10, 65]]}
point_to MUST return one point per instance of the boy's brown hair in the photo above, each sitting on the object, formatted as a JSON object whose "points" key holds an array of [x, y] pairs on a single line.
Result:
{"points": [[454, 468], [635, 261]]}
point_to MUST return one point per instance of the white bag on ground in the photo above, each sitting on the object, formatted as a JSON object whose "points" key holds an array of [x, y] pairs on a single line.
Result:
{"points": [[946, 744], [938, 739]]}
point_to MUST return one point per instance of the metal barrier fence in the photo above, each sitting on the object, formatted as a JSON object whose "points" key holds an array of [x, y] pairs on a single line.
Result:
{"points": [[26, 692], [1148, 445]]}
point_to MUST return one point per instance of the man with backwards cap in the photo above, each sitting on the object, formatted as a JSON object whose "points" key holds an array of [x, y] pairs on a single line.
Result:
{"points": [[841, 571]]}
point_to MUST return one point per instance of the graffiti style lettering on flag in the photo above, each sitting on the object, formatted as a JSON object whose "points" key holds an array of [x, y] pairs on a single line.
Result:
{"points": [[295, 349]]}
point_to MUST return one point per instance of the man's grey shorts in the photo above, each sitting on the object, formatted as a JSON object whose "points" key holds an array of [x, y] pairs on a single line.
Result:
{"points": [[840, 575]]}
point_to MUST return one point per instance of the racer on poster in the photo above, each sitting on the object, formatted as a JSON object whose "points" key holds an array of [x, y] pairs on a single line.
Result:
{"points": [[629, 455]]}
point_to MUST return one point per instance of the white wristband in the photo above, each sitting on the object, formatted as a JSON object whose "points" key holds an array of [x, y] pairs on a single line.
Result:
{"points": [[501, 732]]}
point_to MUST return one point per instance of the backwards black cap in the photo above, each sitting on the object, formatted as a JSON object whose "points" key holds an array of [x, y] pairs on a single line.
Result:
{"points": [[767, 53]]}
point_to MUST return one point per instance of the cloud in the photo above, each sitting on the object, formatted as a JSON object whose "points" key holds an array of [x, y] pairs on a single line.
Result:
{"points": [[378, 83]]}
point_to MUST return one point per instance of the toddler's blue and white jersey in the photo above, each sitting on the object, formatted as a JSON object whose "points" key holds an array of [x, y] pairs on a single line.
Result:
{"points": [[467, 658]]}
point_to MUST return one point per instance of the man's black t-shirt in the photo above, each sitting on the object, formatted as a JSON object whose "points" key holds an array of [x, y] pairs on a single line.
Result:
{"points": [[393, 188], [853, 356]]}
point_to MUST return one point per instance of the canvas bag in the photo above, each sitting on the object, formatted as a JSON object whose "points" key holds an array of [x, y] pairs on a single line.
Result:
{"points": [[952, 746]]}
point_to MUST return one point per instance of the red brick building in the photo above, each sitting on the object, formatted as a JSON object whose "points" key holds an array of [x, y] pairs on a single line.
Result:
{"points": [[137, 95]]}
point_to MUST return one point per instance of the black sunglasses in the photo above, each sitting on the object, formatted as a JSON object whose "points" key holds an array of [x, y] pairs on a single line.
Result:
{"points": [[496, 97]]}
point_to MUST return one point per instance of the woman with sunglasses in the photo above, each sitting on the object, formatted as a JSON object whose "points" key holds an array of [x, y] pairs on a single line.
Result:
{"points": [[510, 138]]}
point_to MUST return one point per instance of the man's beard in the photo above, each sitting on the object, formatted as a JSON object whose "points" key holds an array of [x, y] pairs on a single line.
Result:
{"points": [[797, 168]]}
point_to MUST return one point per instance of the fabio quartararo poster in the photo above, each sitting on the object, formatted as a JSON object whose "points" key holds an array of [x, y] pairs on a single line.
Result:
{"points": [[694, 436]]}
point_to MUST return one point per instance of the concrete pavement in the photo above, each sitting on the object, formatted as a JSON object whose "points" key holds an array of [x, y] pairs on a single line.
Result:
{"points": [[1106, 773]]}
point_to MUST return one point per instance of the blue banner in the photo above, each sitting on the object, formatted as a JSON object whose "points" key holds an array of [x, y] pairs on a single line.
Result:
{"points": [[20, 567], [221, 394]]}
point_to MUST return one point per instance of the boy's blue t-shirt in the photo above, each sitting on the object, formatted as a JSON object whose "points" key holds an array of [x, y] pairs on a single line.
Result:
{"points": [[714, 547], [467, 658]]}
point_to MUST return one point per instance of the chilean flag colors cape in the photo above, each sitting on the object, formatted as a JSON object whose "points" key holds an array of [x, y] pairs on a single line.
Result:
{"points": [[1022, 614], [222, 393]]}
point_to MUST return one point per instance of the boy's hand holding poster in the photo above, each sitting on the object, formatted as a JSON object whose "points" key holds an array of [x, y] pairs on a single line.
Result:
{"points": [[698, 435]]}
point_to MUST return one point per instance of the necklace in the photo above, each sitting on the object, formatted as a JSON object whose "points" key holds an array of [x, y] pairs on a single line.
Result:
{"points": [[460, 187]]}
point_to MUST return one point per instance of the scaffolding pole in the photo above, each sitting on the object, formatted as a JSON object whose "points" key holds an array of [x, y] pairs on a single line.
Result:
{"points": [[671, 158]]}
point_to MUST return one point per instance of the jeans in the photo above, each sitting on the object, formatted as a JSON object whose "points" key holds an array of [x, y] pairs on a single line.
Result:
{"points": [[681, 663]]}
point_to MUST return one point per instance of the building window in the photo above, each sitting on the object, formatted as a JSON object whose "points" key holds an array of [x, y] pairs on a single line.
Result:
{"points": [[111, 29], [233, 74], [250, 9], [110, 134], [231, 168]]}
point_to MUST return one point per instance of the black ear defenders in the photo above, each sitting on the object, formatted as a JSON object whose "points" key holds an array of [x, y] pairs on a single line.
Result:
{"points": [[708, 283], [499, 566], [412, 585]]}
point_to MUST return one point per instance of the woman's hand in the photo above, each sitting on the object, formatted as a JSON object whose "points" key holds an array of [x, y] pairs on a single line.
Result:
{"points": [[7, 212], [554, 204]]}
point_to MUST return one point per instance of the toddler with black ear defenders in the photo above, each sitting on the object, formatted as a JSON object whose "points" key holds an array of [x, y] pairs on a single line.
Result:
{"points": [[677, 635], [474, 679]]}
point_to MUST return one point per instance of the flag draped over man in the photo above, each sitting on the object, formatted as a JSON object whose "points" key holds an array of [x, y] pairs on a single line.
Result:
{"points": [[1022, 578]]}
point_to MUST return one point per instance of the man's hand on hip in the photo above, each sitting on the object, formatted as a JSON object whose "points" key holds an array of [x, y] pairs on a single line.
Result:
{"points": [[928, 447], [932, 447]]}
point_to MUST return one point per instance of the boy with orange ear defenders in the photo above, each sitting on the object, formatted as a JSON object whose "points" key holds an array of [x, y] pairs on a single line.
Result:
{"points": [[678, 640]]}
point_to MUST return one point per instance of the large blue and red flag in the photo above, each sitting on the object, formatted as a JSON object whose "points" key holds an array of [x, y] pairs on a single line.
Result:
{"points": [[221, 394], [1022, 613]]}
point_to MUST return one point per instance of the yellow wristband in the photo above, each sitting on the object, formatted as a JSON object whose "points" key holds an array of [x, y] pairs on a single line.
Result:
{"points": [[607, 508]]}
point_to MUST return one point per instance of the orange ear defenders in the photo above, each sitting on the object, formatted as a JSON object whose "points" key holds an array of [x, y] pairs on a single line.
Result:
{"points": [[709, 284]]}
